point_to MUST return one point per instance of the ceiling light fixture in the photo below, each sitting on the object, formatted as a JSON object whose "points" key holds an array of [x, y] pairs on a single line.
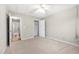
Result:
{"points": [[43, 6], [41, 9]]}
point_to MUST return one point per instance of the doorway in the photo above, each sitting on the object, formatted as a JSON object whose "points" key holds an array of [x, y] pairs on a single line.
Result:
{"points": [[39, 28], [13, 29], [36, 28]]}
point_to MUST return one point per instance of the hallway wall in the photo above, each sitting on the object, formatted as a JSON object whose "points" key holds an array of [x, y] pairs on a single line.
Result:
{"points": [[3, 36], [61, 25]]}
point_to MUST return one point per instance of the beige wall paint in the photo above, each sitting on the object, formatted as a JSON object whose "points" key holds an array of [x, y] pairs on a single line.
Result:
{"points": [[2, 28], [61, 25], [77, 23], [27, 25]]}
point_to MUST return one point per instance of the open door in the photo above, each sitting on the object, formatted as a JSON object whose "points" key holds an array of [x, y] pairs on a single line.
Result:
{"points": [[8, 34]]}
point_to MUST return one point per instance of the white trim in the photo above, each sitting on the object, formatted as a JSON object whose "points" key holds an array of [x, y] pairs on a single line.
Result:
{"points": [[71, 43], [3, 51], [27, 38]]}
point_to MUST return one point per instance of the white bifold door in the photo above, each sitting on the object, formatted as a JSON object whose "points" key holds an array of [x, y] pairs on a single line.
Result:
{"points": [[41, 28]]}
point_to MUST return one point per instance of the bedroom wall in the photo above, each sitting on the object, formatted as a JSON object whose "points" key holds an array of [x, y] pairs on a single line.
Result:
{"points": [[26, 26], [3, 32], [77, 23], [61, 25]]}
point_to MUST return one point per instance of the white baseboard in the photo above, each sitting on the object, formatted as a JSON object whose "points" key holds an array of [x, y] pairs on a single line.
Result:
{"points": [[28, 38], [74, 44], [71, 43], [3, 51]]}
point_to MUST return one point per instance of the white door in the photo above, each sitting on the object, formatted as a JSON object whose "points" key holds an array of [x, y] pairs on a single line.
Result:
{"points": [[42, 28]]}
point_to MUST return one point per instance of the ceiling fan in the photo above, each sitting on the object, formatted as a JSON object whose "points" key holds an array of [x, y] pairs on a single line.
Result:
{"points": [[41, 8]]}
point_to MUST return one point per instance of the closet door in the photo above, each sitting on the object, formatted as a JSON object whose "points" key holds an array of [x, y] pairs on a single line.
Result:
{"points": [[42, 28]]}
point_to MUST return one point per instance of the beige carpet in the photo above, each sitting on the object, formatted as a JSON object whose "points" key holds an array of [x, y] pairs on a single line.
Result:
{"points": [[40, 46]]}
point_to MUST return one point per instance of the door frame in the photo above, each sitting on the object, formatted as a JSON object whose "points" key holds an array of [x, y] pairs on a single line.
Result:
{"points": [[15, 20], [36, 21], [8, 34], [9, 18]]}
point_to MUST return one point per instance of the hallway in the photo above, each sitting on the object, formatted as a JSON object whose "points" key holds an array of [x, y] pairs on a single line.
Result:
{"points": [[41, 46]]}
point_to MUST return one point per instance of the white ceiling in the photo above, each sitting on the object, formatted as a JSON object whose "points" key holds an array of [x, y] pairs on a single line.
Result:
{"points": [[31, 9]]}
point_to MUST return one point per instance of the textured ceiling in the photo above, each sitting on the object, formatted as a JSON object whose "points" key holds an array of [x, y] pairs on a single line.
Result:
{"points": [[31, 9]]}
